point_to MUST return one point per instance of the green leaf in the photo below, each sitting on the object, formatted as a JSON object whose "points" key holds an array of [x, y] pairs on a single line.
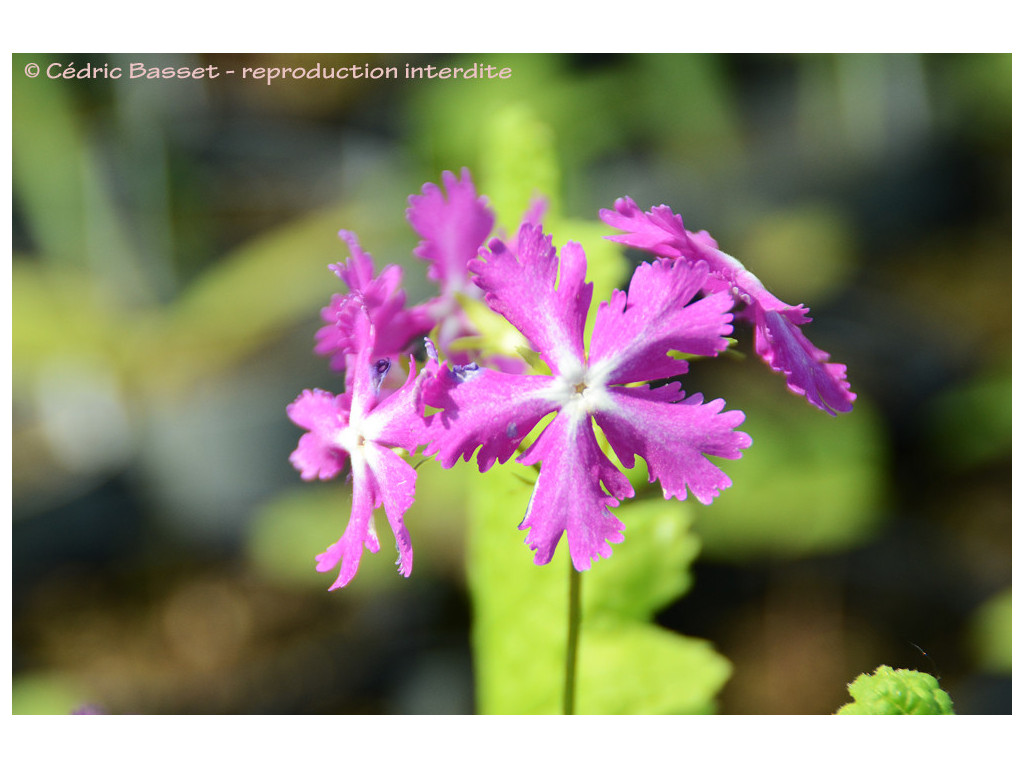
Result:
{"points": [[970, 424], [891, 691], [651, 568], [518, 163], [640, 669], [290, 530], [520, 612], [64, 313], [809, 483], [991, 634], [48, 170], [265, 286], [45, 693], [65, 197], [575, 103]]}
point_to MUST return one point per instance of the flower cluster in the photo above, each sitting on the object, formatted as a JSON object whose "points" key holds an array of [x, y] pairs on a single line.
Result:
{"points": [[625, 382]]}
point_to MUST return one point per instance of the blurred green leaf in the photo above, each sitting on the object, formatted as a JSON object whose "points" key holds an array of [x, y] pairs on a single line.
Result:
{"points": [[891, 691], [653, 570], [690, 114], [991, 634], [808, 249], [291, 530], [255, 292], [520, 612], [641, 669], [266, 286], [45, 693], [808, 484], [63, 193], [980, 85], [64, 313], [47, 165], [448, 115], [972, 423], [518, 164]]}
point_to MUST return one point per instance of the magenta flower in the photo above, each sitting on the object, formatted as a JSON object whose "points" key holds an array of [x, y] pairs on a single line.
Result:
{"points": [[360, 428], [544, 296], [394, 325], [452, 229], [777, 339], [454, 224]]}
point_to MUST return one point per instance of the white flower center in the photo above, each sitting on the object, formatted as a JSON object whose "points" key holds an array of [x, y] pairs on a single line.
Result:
{"points": [[350, 440], [580, 391]]}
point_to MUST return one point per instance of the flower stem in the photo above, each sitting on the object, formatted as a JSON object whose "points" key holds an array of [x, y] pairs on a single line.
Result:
{"points": [[569, 700]]}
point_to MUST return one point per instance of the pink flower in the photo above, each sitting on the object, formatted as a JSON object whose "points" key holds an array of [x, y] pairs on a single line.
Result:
{"points": [[454, 224], [452, 229], [544, 296], [360, 428], [777, 339], [381, 297]]}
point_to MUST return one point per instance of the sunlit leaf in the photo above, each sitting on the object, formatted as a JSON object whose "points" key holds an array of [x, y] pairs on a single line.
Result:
{"points": [[47, 693], [889, 691], [520, 613], [809, 483], [991, 634], [641, 669]]}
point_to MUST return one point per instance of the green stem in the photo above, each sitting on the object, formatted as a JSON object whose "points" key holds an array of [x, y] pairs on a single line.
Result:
{"points": [[573, 642]]}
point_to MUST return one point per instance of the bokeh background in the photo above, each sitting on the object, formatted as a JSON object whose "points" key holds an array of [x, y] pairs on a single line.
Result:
{"points": [[170, 244]]}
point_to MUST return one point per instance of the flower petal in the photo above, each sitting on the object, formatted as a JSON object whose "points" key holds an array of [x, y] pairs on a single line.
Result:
{"points": [[359, 532], [674, 438], [481, 408], [323, 415], [394, 483], [379, 477], [381, 297], [660, 231], [452, 230], [784, 347], [520, 285], [634, 332], [569, 495], [777, 339]]}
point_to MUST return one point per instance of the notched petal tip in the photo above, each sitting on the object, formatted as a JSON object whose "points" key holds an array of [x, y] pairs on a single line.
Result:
{"points": [[781, 344]]}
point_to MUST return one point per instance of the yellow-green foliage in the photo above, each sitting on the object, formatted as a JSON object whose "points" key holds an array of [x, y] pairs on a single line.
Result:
{"points": [[897, 692]]}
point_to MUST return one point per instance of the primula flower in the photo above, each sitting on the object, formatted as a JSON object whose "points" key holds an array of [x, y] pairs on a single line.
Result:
{"points": [[577, 484], [454, 224], [394, 325], [361, 428], [777, 339]]}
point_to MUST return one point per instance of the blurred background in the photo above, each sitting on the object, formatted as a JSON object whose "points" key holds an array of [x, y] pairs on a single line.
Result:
{"points": [[170, 244]]}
